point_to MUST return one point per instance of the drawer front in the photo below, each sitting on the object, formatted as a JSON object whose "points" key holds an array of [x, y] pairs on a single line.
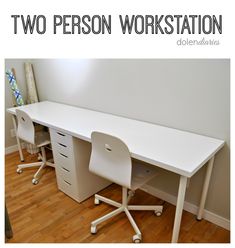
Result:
{"points": [[63, 150], [61, 138], [63, 160], [65, 174], [67, 187]]}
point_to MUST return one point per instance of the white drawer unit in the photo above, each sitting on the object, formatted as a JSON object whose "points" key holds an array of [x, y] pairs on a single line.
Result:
{"points": [[71, 158]]}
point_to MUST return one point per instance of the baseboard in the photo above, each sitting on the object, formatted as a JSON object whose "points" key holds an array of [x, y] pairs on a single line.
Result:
{"points": [[214, 218], [13, 148]]}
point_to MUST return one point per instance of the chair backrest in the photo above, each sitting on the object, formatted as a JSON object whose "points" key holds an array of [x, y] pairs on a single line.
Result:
{"points": [[110, 159], [25, 128]]}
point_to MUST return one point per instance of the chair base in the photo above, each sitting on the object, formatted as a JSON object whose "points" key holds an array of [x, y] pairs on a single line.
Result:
{"points": [[42, 164], [124, 207]]}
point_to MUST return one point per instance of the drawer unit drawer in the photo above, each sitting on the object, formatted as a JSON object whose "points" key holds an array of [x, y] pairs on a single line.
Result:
{"points": [[67, 187], [61, 138], [65, 174], [64, 150], [63, 160]]}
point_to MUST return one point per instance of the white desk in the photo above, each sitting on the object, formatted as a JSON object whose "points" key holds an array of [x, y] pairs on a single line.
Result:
{"points": [[177, 151]]}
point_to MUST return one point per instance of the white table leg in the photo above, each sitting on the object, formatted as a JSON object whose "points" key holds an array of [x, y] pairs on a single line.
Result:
{"points": [[17, 138], [179, 208], [205, 188]]}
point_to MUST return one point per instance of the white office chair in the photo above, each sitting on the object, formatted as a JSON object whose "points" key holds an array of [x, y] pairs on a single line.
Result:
{"points": [[110, 159], [26, 132]]}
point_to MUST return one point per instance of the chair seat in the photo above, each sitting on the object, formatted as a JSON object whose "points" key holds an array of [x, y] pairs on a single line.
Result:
{"points": [[42, 138], [141, 174]]}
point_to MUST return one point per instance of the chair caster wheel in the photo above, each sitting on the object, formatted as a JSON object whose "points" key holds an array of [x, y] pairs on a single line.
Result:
{"points": [[131, 193], [97, 201], [19, 171], [137, 238], [35, 181], [93, 229], [158, 213]]}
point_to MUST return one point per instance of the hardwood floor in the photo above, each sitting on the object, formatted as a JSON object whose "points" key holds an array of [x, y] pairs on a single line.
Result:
{"points": [[43, 214]]}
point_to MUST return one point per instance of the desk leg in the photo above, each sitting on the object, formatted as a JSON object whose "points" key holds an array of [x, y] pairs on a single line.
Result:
{"points": [[17, 138], [179, 208], [205, 188]]}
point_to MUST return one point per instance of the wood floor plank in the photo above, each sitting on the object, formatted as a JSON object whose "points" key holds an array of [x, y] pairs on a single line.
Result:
{"points": [[43, 214]]}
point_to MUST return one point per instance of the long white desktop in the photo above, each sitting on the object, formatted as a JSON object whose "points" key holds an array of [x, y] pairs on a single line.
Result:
{"points": [[177, 151]]}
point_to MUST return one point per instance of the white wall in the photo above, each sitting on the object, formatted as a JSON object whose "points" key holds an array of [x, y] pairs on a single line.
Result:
{"points": [[186, 94]]}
